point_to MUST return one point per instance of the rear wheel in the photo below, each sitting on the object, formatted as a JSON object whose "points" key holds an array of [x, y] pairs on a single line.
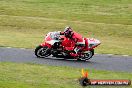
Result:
{"points": [[42, 52], [89, 55]]}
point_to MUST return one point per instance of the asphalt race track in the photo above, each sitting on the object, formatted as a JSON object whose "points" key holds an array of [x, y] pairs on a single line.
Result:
{"points": [[99, 61]]}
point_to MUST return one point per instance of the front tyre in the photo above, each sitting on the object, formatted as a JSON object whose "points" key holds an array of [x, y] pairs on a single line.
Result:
{"points": [[42, 52]]}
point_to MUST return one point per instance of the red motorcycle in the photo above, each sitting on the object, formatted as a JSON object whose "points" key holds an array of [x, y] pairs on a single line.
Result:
{"points": [[59, 46]]}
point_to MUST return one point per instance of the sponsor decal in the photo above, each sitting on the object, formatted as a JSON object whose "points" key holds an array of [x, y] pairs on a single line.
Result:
{"points": [[86, 81]]}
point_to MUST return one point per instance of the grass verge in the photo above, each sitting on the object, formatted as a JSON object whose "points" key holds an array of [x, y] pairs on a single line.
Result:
{"points": [[19, 75]]}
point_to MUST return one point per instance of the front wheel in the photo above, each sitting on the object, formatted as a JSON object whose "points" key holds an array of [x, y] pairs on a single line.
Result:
{"points": [[42, 52]]}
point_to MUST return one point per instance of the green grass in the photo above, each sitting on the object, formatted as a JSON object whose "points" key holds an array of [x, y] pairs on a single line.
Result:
{"points": [[18, 75], [24, 22]]}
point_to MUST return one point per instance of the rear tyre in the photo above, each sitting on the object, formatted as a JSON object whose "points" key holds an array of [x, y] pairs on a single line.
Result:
{"points": [[42, 52], [89, 55]]}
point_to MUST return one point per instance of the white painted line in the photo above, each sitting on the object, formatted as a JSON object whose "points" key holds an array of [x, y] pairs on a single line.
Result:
{"points": [[23, 48], [8, 47], [110, 54], [125, 55]]}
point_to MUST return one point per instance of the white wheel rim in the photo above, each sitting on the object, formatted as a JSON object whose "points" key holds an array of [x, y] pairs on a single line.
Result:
{"points": [[40, 50], [90, 54]]}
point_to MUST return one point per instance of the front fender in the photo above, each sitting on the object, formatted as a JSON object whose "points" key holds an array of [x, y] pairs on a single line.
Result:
{"points": [[45, 44]]}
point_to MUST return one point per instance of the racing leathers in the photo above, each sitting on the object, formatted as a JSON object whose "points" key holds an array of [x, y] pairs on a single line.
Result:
{"points": [[77, 41]]}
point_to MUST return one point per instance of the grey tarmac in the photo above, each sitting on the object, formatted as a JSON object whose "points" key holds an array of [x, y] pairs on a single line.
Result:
{"points": [[98, 62]]}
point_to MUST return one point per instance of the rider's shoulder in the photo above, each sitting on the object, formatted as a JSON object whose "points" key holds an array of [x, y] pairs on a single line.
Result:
{"points": [[77, 35]]}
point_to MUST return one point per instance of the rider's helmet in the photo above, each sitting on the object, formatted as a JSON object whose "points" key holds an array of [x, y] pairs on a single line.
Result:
{"points": [[68, 32]]}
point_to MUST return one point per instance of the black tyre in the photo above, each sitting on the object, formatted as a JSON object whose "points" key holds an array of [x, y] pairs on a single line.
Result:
{"points": [[42, 52], [89, 55]]}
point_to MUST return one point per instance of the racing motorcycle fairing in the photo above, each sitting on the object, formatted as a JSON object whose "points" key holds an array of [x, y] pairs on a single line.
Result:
{"points": [[56, 44]]}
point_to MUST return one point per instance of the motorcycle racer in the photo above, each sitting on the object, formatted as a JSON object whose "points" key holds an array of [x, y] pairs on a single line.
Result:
{"points": [[77, 39]]}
